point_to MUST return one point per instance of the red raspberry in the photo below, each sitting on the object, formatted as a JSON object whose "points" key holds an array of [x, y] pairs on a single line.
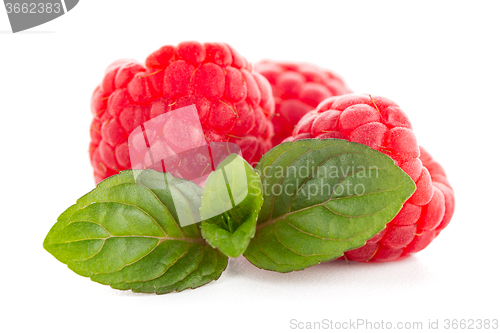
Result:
{"points": [[297, 89], [234, 102], [379, 123]]}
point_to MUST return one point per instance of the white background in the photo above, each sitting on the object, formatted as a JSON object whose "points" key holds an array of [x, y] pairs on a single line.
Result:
{"points": [[438, 60]]}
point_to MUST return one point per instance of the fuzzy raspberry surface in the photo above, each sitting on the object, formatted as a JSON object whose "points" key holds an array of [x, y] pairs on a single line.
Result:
{"points": [[297, 88], [381, 124], [234, 102]]}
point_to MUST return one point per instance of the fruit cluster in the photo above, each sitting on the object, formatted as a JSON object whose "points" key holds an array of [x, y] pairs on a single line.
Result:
{"points": [[381, 124], [236, 103], [297, 88]]}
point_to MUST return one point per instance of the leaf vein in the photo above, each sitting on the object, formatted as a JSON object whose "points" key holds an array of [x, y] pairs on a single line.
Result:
{"points": [[127, 204]]}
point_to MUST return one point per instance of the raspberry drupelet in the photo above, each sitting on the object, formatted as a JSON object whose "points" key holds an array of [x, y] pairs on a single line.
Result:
{"points": [[234, 102], [381, 124], [297, 88]]}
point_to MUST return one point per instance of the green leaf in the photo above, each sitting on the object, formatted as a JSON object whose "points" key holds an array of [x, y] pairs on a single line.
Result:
{"points": [[126, 234], [306, 219], [230, 205]]}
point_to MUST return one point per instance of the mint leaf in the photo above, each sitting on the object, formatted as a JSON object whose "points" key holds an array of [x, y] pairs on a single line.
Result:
{"points": [[306, 218], [126, 234], [230, 205]]}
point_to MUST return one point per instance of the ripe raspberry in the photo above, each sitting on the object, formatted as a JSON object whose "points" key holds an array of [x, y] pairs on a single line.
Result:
{"points": [[234, 102], [379, 123], [297, 89]]}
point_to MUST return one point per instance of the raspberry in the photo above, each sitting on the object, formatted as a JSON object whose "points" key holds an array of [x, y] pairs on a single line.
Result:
{"points": [[379, 123], [234, 103], [297, 88]]}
